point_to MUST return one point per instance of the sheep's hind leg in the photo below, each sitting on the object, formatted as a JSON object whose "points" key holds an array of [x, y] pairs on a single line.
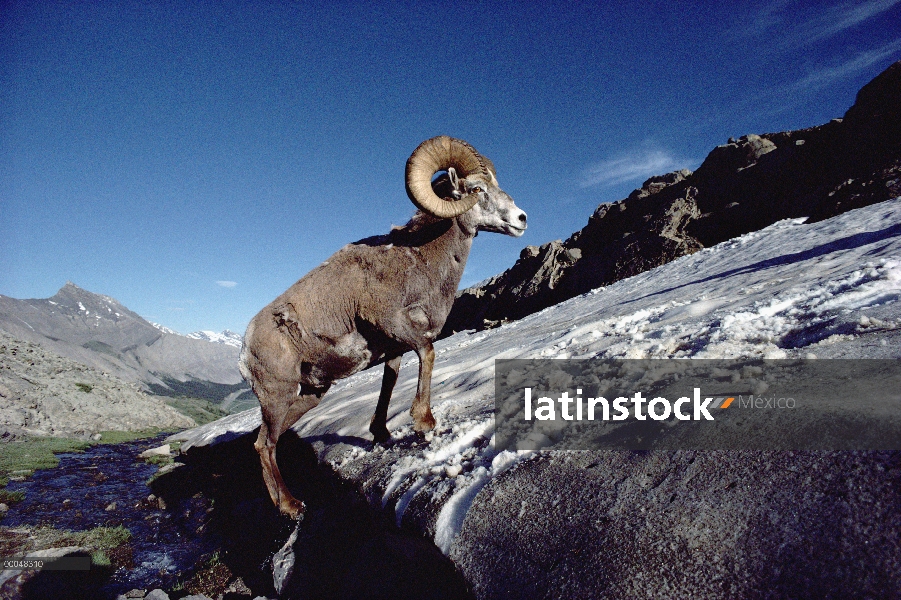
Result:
{"points": [[378, 426], [278, 417], [421, 410]]}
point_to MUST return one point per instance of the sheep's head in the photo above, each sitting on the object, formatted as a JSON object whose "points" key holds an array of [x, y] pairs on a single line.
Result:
{"points": [[470, 184]]}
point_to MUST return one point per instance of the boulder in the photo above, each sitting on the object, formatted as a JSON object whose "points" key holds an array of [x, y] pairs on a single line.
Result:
{"points": [[163, 450]]}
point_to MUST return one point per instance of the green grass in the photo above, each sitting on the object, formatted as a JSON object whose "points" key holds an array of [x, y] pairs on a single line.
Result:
{"points": [[25, 457], [32, 454], [102, 538], [100, 542], [96, 539], [158, 459], [195, 388], [8, 497], [84, 387], [202, 411], [118, 437]]}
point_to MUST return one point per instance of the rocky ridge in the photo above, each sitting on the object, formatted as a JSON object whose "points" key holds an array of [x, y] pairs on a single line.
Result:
{"points": [[42, 393], [742, 186]]}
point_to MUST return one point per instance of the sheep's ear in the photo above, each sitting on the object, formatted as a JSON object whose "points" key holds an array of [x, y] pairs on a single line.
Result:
{"points": [[455, 182]]}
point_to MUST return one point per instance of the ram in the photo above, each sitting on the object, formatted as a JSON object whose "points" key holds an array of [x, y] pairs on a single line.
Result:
{"points": [[373, 300]]}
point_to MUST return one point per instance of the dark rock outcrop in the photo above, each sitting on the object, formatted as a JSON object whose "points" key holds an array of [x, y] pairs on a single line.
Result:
{"points": [[742, 186]]}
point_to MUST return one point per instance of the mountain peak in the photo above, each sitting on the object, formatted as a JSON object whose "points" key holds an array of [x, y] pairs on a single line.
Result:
{"points": [[229, 338], [70, 291]]}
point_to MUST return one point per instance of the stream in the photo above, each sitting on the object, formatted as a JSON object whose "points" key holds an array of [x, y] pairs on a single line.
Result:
{"points": [[76, 494], [217, 503]]}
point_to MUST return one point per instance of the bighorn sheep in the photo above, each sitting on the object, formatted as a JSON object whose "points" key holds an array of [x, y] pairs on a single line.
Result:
{"points": [[373, 300]]}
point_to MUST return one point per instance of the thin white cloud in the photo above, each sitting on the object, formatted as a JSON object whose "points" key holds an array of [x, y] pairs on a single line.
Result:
{"points": [[227, 284], [785, 31], [826, 76], [836, 19], [638, 164], [767, 16]]}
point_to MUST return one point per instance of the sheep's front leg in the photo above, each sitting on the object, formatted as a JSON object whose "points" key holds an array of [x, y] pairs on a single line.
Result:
{"points": [[279, 412], [422, 408], [378, 426]]}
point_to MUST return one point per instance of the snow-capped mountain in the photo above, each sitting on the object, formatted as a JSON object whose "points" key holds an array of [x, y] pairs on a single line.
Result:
{"points": [[100, 332], [164, 329], [227, 337]]}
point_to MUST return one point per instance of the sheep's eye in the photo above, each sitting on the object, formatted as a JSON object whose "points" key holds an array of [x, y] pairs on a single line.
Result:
{"points": [[477, 190]]}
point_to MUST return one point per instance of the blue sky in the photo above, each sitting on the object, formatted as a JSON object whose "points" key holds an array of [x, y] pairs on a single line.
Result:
{"points": [[194, 159]]}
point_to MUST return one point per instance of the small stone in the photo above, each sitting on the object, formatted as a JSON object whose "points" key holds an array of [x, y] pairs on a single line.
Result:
{"points": [[151, 498], [3, 507], [157, 595], [158, 451], [161, 503], [169, 468], [110, 507], [135, 593], [97, 437], [238, 587]]}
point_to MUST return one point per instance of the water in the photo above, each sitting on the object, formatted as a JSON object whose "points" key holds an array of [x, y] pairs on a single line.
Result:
{"points": [[217, 502], [164, 544]]}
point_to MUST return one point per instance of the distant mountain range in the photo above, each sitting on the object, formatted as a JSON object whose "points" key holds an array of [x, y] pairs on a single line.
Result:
{"points": [[100, 332], [229, 338]]}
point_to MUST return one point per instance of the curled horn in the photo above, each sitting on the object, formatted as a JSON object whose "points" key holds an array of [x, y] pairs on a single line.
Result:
{"points": [[439, 154]]}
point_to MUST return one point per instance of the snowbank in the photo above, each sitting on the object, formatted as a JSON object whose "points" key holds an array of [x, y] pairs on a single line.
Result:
{"points": [[826, 290]]}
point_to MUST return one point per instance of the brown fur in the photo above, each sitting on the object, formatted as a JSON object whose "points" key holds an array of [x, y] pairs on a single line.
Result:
{"points": [[368, 303]]}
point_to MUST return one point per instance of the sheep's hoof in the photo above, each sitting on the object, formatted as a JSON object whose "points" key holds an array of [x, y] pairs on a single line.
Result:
{"points": [[380, 435], [426, 423], [293, 509]]}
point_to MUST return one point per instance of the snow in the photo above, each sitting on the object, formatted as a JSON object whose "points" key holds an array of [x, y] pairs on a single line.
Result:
{"points": [[229, 338], [790, 290], [162, 328]]}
